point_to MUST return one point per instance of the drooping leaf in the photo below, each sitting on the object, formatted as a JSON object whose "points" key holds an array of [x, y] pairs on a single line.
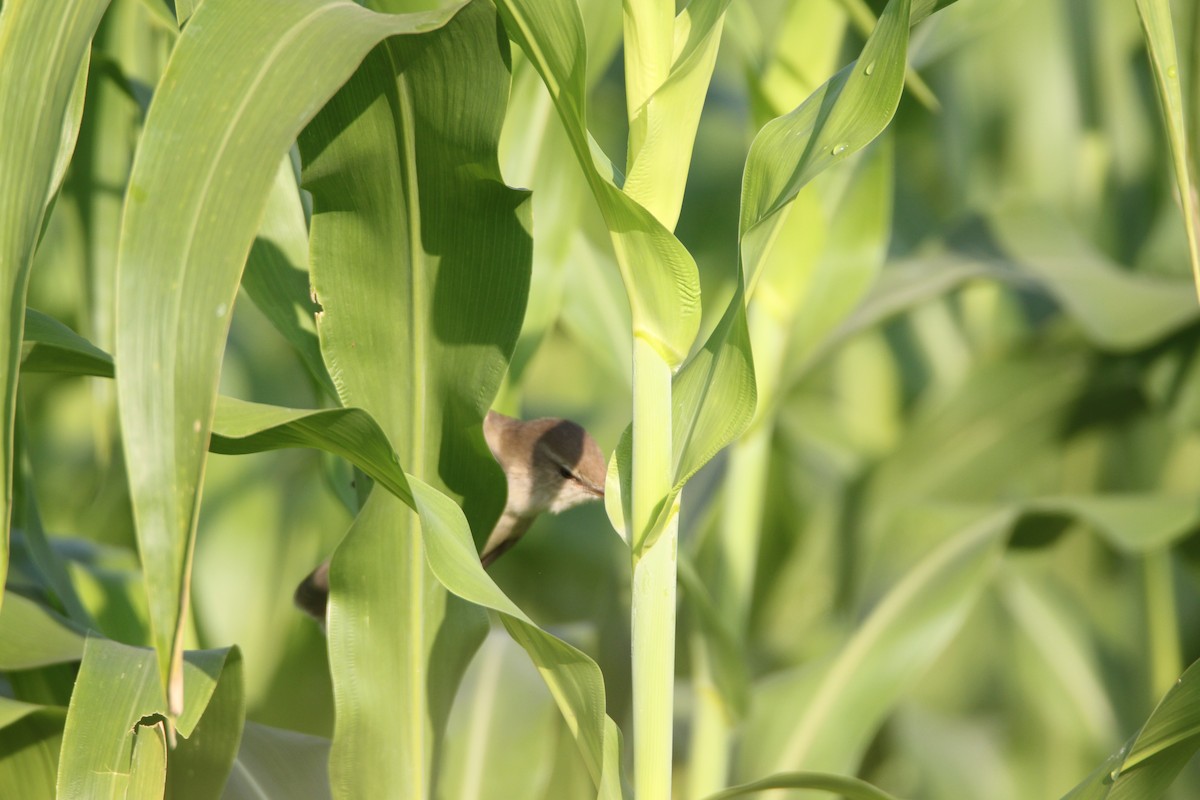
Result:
{"points": [[242, 427], [574, 679], [1119, 310], [51, 346], [235, 106], [38, 125]]}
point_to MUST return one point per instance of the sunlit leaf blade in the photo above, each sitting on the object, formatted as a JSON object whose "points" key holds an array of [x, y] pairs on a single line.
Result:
{"points": [[1160, 41], [51, 346], [574, 679], [663, 129], [117, 695], [276, 276], [1149, 763], [148, 762], [277, 763], [843, 700], [243, 427], [234, 105], [420, 259], [38, 126], [840, 118], [659, 275], [32, 635], [844, 786]]}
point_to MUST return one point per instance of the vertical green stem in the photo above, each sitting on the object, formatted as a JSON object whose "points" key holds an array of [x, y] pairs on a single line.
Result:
{"points": [[1162, 622], [654, 577]]}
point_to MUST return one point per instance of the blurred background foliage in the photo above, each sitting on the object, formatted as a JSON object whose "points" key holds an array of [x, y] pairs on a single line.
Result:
{"points": [[988, 311]]}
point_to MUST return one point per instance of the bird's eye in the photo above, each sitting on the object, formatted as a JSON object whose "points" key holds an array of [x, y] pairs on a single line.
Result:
{"points": [[566, 473]]}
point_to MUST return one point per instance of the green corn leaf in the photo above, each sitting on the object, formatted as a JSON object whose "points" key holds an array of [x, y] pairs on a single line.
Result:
{"points": [[662, 130], [240, 427], [1118, 309], [32, 635], [1148, 763], [1159, 31], [32, 744], [276, 276], [118, 700], [272, 762], [39, 121], [840, 118], [659, 274], [50, 346], [574, 679], [844, 786], [189, 223], [420, 258], [844, 699]]}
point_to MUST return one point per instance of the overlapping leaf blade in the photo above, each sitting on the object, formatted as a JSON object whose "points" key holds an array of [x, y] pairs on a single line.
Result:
{"points": [[659, 274], [118, 696], [37, 134], [241, 83]]}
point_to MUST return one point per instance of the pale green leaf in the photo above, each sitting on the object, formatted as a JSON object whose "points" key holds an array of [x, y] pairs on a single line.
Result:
{"points": [[844, 786], [32, 635], [1160, 41], [574, 679], [39, 121], [272, 762], [241, 427], [1118, 309], [1147, 765], [659, 274], [842, 700], [118, 697], [276, 276], [420, 258], [235, 108], [51, 346], [31, 745]]}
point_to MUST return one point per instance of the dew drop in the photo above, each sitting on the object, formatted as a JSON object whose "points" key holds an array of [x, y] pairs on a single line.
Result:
{"points": [[869, 68], [1116, 773], [838, 149], [1172, 72], [196, 426], [221, 309]]}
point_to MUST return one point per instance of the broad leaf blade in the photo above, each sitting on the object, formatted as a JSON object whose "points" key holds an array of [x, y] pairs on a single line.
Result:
{"points": [[234, 106], [117, 696], [420, 260]]}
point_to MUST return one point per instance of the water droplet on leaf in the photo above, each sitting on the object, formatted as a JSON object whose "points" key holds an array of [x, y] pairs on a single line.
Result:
{"points": [[869, 68], [838, 149]]}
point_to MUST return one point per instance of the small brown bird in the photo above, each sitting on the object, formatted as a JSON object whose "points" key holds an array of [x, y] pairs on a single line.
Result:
{"points": [[551, 465]]}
